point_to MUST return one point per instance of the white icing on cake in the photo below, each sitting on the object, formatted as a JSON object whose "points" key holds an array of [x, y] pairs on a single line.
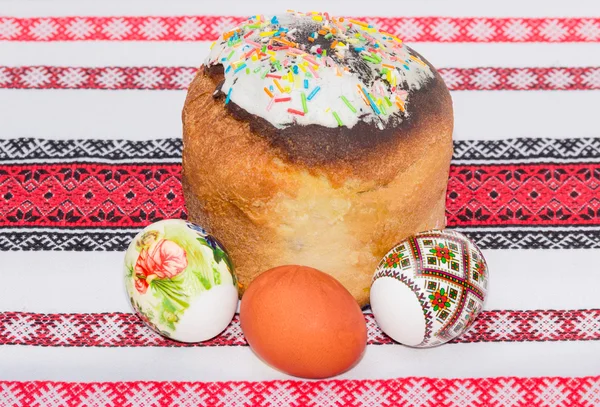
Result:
{"points": [[362, 57]]}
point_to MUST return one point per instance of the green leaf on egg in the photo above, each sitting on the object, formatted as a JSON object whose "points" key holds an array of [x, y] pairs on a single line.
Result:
{"points": [[217, 276], [205, 282], [218, 254], [171, 289]]}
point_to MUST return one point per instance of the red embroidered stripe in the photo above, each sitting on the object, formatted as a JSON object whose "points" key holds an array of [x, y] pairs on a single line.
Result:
{"points": [[541, 194], [408, 391], [127, 330], [178, 78], [102, 195], [207, 28], [89, 195]]}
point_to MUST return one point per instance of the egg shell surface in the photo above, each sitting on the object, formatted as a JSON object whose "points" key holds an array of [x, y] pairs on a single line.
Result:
{"points": [[303, 322], [429, 288], [180, 281]]}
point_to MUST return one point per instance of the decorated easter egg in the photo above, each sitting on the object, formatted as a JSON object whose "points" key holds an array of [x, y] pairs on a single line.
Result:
{"points": [[180, 281], [429, 288], [303, 322]]}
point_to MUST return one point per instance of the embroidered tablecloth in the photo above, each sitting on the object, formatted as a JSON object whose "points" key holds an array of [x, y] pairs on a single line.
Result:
{"points": [[90, 146]]}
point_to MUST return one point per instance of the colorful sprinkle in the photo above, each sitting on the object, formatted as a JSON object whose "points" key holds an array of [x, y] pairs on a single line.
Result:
{"points": [[228, 96], [294, 111], [362, 24], [304, 104], [280, 100], [268, 92], [399, 103], [249, 53], [337, 119], [370, 99], [276, 82], [368, 58], [239, 68], [306, 84], [285, 42], [310, 59], [388, 76], [314, 92], [414, 58], [347, 102], [382, 106], [228, 35], [362, 95]]}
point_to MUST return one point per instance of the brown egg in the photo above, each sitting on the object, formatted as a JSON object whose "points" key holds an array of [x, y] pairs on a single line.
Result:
{"points": [[303, 322]]}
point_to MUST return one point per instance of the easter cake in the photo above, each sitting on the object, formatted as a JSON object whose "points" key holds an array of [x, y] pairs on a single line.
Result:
{"points": [[316, 141]]}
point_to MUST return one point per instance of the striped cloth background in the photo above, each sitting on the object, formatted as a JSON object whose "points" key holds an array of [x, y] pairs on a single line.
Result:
{"points": [[90, 102]]}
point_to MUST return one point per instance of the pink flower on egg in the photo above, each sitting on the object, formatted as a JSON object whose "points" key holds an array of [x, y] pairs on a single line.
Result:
{"points": [[164, 258], [140, 284], [161, 259]]}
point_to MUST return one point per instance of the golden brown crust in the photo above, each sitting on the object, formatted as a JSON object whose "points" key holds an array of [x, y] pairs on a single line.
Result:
{"points": [[273, 203]]}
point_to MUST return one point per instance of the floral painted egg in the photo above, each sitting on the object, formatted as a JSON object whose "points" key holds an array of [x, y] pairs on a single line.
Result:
{"points": [[180, 281], [429, 288]]}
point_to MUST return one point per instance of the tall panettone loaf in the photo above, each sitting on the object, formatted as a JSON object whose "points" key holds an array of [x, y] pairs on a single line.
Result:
{"points": [[315, 141]]}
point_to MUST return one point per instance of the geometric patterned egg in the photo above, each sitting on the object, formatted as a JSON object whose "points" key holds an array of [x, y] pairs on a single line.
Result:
{"points": [[429, 289], [180, 281]]}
